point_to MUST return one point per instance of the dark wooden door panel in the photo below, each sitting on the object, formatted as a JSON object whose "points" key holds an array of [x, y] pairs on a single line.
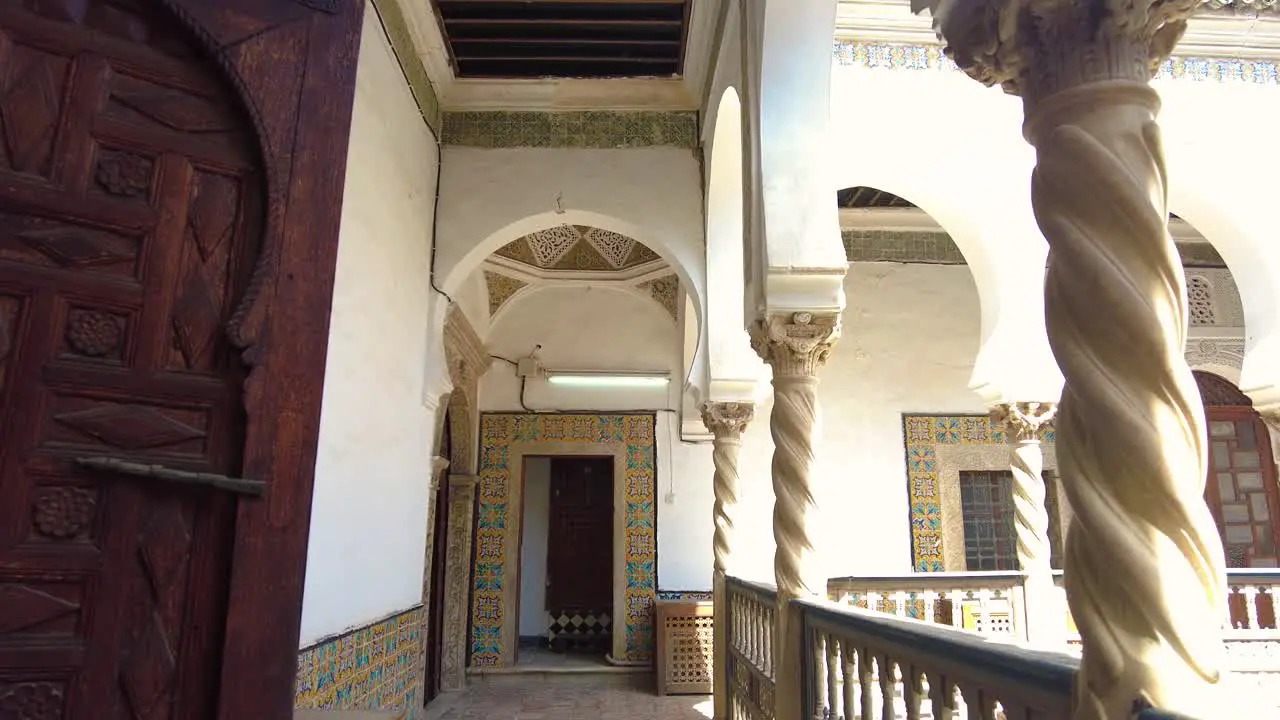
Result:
{"points": [[580, 541], [129, 221]]}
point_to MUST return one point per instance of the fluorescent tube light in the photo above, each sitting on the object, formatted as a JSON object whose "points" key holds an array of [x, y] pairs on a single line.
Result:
{"points": [[605, 379]]}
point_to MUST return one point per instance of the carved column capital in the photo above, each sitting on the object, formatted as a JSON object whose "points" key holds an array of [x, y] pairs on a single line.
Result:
{"points": [[1035, 48], [438, 466], [727, 419], [1023, 421], [795, 345]]}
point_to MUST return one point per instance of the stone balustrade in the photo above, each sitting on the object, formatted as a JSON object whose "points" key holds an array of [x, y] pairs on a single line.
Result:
{"points": [[751, 611]]}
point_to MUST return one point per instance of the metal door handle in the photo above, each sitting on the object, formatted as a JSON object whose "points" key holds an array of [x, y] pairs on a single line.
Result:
{"points": [[183, 477]]}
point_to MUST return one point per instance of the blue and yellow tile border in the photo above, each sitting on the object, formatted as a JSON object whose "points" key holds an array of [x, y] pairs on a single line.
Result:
{"points": [[374, 667], [924, 434], [885, 56], [504, 439]]}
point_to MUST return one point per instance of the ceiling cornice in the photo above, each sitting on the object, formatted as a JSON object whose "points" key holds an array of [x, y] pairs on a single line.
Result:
{"points": [[1250, 31]]}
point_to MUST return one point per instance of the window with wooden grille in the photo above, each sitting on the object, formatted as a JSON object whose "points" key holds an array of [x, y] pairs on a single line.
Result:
{"points": [[986, 501], [990, 537]]}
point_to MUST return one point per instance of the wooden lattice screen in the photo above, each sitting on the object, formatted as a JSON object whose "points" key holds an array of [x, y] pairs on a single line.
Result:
{"points": [[685, 648]]}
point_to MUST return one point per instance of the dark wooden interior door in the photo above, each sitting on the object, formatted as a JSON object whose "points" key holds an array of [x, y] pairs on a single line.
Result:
{"points": [[580, 535], [129, 221], [440, 538]]}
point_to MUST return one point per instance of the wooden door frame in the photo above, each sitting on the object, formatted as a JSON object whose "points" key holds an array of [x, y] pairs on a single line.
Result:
{"points": [[293, 65]]}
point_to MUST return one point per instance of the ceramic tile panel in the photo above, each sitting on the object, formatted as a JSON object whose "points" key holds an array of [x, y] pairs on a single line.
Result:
{"points": [[937, 248], [924, 434], [632, 437], [881, 56], [686, 595], [583, 129], [371, 668]]}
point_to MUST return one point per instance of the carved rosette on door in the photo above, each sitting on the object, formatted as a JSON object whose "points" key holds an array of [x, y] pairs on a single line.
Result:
{"points": [[130, 216]]}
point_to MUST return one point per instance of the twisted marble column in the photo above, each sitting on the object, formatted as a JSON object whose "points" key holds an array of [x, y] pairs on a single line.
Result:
{"points": [[796, 346], [726, 421], [1144, 563], [1023, 421]]}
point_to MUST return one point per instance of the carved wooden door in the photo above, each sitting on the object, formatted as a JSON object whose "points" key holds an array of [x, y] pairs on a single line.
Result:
{"points": [[580, 536], [129, 222]]}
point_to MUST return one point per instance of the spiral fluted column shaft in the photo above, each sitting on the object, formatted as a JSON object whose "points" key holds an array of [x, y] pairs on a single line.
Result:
{"points": [[796, 347], [726, 421], [724, 456], [1144, 563], [1023, 422]]}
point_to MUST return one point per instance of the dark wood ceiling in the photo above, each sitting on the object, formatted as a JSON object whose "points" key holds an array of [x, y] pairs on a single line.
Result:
{"points": [[565, 38]]}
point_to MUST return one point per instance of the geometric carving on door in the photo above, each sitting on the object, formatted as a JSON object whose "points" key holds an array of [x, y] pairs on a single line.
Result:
{"points": [[173, 109], [130, 427], [147, 674], [32, 701], [93, 333], [29, 110], [212, 216], [63, 512], [73, 247], [124, 174], [27, 607]]}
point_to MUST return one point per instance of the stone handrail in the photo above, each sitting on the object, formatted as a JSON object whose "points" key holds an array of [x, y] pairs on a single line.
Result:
{"points": [[867, 664], [986, 602]]}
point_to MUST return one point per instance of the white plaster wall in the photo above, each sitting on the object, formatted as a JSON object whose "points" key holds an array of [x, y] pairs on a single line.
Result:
{"points": [[369, 511], [533, 546]]}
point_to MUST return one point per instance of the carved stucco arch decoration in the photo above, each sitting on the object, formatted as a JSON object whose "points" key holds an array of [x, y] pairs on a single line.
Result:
{"points": [[468, 359], [1240, 230]]}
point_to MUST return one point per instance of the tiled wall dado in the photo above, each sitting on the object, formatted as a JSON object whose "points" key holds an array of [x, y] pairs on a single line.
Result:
{"points": [[932, 463], [372, 668], [686, 595], [629, 438]]}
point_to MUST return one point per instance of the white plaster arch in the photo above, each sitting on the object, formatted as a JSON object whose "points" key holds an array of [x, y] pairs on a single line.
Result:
{"points": [[1244, 237], [1007, 260], [734, 369], [797, 262]]}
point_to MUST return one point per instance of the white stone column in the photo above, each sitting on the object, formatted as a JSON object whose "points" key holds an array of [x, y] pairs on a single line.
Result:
{"points": [[1023, 421], [796, 346], [1144, 564], [726, 421]]}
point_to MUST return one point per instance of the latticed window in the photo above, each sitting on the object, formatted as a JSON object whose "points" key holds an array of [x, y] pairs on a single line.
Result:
{"points": [[986, 501], [990, 537]]}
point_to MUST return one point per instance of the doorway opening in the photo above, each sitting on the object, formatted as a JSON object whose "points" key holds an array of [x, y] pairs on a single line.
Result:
{"points": [[566, 560]]}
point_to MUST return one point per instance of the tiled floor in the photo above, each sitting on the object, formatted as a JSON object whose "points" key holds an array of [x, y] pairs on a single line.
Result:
{"points": [[591, 697]]}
